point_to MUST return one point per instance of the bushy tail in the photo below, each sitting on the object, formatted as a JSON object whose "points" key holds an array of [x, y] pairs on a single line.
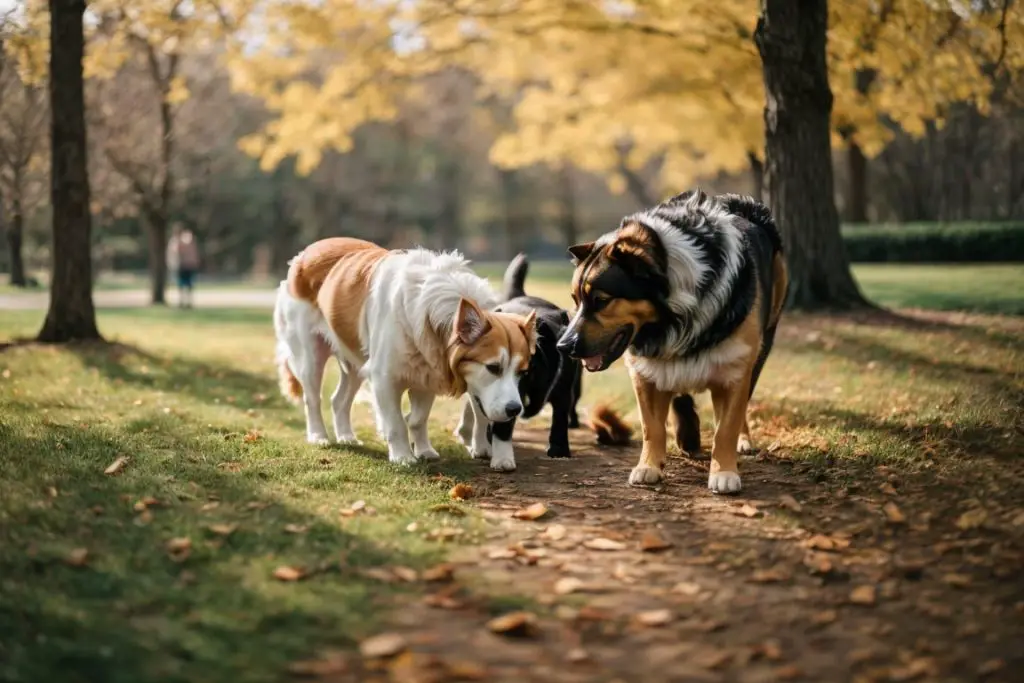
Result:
{"points": [[515, 277], [291, 389], [609, 426]]}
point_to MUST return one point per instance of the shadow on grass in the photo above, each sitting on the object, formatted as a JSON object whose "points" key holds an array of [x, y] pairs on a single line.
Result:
{"points": [[134, 614]]}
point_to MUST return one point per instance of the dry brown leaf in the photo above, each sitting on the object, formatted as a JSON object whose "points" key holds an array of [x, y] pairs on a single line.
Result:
{"points": [[406, 574], [824, 617], [991, 666], [296, 528], [555, 532], [893, 513], [286, 573], [448, 508], [686, 588], [358, 505], [771, 575], [382, 645], [713, 659], [532, 512], [461, 492], [972, 519], [569, 584], [465, 671], [863, 595], [957, 580], [916, 668], [577, 655], [439, 573], [789, 672], [252, 436], [888, 489], [652, 543], [770, 649], [116, 466], [502, 554], [790, 503], [749, 510], [654, 617], [330, 663], [443, 600], [77, 557], [179, 548], [222, 529], [603, 544], [514, 624]]}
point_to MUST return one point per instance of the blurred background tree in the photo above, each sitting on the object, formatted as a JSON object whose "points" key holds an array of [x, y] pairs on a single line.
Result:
{"points": [[504, 126]]}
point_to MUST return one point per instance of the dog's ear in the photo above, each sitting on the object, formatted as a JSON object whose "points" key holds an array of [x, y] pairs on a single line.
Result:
{"points": [[470, 322], [529, 326], [579, 252]]}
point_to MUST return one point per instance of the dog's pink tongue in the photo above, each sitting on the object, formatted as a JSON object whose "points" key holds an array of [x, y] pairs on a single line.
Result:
{"points": [[593, 363]]}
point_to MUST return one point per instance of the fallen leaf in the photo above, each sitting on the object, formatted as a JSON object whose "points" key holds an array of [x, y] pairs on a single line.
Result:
{"points": [[256, 505], [116, 466], [443, 600], [824, 617], [957, 580], [441, 572], [893, 513], [713, 659], [749, 510], [863, 595], [444, 533], [212, 505], [286, 573], [383, 645], [790, 503], [465, 671], [686, 588], [461, 492], [789, 672], [296, 528], [449, 508], [406, 574], [252, 436], [652, 543], [819, 563], [577, 655], [887, 488], [358, 505], [514, 624], [972, 519], [915, 669], [77, 557], [532, 512], [223, 529], [772, 575], [555, 532], [569, 584], [330, 663], [820, 542], [179, 548], [603, 544], [655, 617], [769, 649], [502, 554], [990, 667]]}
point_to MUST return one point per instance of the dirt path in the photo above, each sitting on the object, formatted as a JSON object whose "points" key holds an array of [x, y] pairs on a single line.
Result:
{"points": [[137, 298], [807, 575]]}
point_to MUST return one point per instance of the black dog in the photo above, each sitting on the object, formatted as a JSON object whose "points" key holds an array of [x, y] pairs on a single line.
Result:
{"points": [[552, 376]]}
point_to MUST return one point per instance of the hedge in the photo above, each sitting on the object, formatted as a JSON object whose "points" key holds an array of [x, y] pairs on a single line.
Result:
{"points": [[935, 242]]}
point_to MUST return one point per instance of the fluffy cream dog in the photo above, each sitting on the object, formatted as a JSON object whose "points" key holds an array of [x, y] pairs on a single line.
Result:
{"points": [[413, 320]]}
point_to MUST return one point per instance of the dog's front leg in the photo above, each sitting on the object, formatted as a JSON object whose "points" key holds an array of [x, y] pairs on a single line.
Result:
{"points": [[421, 402], [558, 437], [503, 457], [464, 432], [730, 404], [654, 405], [388, 398], [479, 446]]}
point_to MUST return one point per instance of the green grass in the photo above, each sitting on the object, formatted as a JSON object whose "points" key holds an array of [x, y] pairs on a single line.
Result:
{"points": [[178, 399]]}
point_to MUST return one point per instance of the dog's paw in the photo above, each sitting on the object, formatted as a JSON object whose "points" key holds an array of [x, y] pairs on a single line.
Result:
{"points": [[642, 475], [725, 481], [428, 454], [349, 439], [744, 446], [559, 451], [318, 439], [503, 458], [400, 456], [480, 450]]}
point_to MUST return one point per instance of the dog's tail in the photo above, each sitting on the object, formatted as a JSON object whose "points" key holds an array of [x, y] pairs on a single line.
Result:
{"points": [[515, 277], [291, 389], [609, 426]]}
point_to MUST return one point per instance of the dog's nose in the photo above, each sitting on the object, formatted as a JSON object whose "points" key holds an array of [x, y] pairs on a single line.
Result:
{"points": [[567, 343], [513, 408]]}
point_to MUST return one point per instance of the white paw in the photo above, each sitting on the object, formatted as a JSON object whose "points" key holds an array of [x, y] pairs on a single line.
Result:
{"points": [[318, 439], [428, 454], [643, 475], [480, 449], [744, 446], [463, 435], [349, 439], [503, 459], [400, 456], [725, 481]]}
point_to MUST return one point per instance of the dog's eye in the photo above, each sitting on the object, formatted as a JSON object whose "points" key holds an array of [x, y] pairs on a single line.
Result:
{"points": [[599, 302], [494, 368]]}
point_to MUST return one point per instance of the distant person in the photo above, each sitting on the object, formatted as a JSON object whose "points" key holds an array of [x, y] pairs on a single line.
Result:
{"points": [[183, 258]]}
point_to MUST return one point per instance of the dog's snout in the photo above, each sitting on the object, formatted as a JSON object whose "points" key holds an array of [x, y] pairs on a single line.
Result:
{"points": [[513, 408], [568, 342]]}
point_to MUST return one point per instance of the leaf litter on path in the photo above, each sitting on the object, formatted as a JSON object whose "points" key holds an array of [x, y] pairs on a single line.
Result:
{"points": [[531, 512]]}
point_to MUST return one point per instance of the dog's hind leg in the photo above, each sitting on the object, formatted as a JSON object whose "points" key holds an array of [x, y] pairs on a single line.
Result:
{"points": [[308, 366], [687, 424], [577, 391], [341, 403], [421, 402], [563, 409]]}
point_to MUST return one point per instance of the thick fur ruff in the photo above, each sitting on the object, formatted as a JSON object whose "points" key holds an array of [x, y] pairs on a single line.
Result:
{"points": [[609, 426]]}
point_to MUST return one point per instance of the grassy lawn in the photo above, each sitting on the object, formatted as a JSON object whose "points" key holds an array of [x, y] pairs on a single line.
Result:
{"points": [[91, 591]]}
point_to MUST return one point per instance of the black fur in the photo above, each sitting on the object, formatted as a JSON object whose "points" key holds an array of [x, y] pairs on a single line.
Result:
{"points": [[552, 377]]}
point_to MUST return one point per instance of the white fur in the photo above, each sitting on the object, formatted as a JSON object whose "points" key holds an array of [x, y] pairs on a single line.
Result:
{"points": [[723, 364], [725, 481], [472, 432], [406, 321]]}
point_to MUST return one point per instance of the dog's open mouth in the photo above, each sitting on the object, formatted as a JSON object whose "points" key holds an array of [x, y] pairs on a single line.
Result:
{"points": [[618, 346]]}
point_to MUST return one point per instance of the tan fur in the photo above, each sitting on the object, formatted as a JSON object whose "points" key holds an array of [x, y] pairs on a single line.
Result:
{"points": [[291, 389], [654, 405], [609, 426], [344, 291], [504, 330], [780, 285], [309, 270]]}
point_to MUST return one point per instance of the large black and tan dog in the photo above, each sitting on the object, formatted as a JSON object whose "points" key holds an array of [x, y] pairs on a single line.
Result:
{"points": [[693, 289], [552, 376]]}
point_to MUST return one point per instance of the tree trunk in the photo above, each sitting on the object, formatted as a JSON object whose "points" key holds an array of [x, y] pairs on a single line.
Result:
{"points": [[857, 166], [71, 314], [567, 206], [156, 231], [791, 38], [15, 232], [756, 175]]}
